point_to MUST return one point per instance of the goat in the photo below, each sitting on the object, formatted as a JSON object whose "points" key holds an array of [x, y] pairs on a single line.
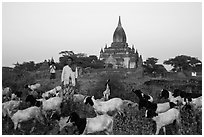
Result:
{"points": [[129, 103], [166, 94], [178, 92], [78, 98], [106, 93], [34, 93], [25, 115], [52, 104], [140, 94], [92, 125], [189, 97], [33, 87], [158, 107], [102, 107], [62, 122], [142, 98], [101, 99], [33, 101], [163, 119], [53, 91], [169, 95], [13, 96], [195, 102], [9, 107], [6, 93], [18, 94]]}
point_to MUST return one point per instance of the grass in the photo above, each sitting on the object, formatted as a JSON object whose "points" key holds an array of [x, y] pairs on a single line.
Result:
{"points": [[121, 84]]}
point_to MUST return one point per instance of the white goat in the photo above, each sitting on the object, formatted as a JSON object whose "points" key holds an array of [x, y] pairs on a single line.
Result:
{"points": [[27, 114], [102, 107], [52, 104], [160, 107], [78, 98], [196, 102], [128, 103], [163, 119], [13, 96], [6, 94], [106, 93], [92, 125], [51, 92], [33, 87], [63, 122], [163, 107], [9, 107], [169, 95], [6, 91], [101, 99]]}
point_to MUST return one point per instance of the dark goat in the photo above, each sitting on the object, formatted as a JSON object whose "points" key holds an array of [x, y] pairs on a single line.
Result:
{"points": [[92, 125], [143, 98], [18, 94], [189, 98], [178, 92], [33, 101], [79, 122]]}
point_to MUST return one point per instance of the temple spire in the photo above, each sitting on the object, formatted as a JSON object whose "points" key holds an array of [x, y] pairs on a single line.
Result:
{"points": [[101, 50], [119, 22]]}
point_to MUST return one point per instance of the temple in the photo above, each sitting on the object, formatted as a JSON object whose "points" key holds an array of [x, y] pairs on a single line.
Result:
{"points": [[119, 54]]}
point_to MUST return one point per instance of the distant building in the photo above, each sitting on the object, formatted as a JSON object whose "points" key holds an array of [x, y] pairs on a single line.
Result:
{"points": [[119, 54]]}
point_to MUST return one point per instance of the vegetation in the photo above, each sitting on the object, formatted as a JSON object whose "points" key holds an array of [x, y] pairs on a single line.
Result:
{"points": [[183, 62], [151, 67], [81, 60]]}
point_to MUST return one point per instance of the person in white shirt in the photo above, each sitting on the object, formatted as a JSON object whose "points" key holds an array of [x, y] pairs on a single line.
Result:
{"points": [[69, 74], [52, 71]]}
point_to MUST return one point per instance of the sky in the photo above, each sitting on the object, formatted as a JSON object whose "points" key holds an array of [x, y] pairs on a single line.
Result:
{"points": [[39, 31]]}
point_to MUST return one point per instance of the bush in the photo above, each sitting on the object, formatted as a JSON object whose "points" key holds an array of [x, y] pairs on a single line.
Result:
{"points": [[16, 79]]}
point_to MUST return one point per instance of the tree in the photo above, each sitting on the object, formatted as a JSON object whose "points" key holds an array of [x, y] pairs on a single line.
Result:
{"points": [[93, 57], [183, 62], [151, 66], [25, 66], [66, 53], [150, 62], [159, 69], [43, 65], [80, 59], [80, 55]]}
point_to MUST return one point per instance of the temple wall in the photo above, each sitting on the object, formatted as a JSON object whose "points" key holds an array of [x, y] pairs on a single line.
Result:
{"points": [[126, 62]]}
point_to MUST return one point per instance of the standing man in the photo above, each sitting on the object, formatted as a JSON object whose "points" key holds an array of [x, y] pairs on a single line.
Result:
{"points": [[69, 76], [52, 70]]}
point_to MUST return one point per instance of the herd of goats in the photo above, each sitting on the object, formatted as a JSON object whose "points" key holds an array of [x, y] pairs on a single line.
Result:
{"points": [[43, 107]]}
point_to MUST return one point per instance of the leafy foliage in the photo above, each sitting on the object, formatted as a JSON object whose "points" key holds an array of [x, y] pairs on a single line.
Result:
{"points": [[151, 66], [151, 62], [81, 60], [183, 62], [16, 79]]}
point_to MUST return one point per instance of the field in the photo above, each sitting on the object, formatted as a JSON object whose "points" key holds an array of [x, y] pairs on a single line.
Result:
{"points": [[121, 83]]}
